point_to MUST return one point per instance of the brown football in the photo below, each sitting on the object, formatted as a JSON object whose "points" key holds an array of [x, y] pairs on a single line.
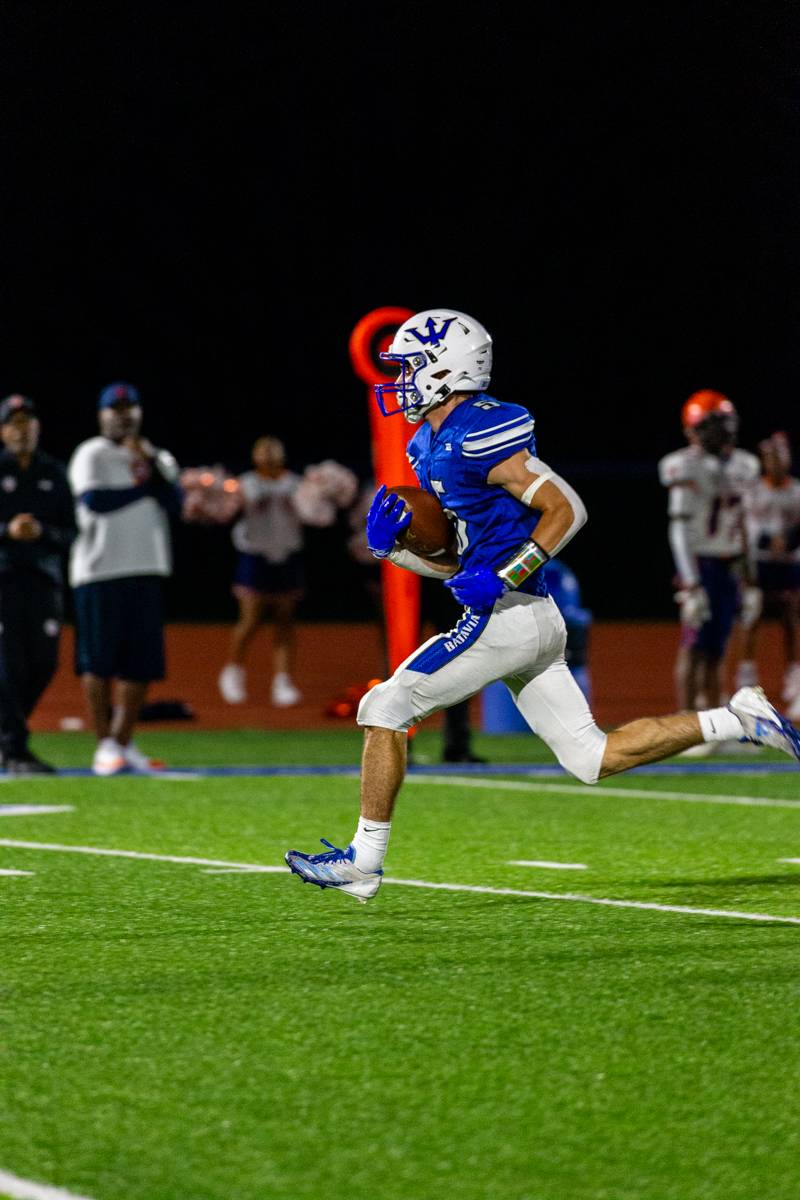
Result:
{"points": [[431, 533]]}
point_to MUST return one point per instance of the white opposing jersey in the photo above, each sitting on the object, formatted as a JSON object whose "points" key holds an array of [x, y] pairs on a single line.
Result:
{"points": [[710, 493], [774, 513]]}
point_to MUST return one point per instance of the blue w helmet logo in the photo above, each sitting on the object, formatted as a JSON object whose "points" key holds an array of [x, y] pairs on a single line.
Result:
{"points": [[433, 337]]}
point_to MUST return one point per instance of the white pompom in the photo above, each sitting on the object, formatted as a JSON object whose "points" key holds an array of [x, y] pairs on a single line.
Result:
{"points": [[324, 487], [210, 497]]}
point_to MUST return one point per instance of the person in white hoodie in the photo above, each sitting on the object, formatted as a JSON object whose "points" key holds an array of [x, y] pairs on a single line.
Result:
{"points": [[124, 489]]}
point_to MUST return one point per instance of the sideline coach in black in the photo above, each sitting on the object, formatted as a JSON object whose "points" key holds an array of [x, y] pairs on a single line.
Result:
{"points": [[37, 526]]}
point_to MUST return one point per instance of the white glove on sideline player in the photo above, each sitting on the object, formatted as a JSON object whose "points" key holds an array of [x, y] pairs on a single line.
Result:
{"points": [[752, 604], [695, 606]]}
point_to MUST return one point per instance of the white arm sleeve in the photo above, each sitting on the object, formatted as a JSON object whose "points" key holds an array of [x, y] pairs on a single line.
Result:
{"points": [[682, 553], [411, 562], [682, 498], [547, 475]]}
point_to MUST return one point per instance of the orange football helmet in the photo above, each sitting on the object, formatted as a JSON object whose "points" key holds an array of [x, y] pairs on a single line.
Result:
{"points": [[704, 404]]}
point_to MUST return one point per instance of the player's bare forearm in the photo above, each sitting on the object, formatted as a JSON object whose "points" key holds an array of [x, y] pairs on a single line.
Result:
{"points": [[556, 520], [532, 482]]}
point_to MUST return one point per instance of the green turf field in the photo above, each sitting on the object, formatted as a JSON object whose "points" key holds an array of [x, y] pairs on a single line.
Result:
{"points": [[337, 746], [186, 1031]]}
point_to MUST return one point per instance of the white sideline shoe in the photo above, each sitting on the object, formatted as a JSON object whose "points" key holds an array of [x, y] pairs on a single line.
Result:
{"points": [[137, 760], [732, 748], [232, 684], [284, 693], [109, 758], [762, 722], [701, 750]]}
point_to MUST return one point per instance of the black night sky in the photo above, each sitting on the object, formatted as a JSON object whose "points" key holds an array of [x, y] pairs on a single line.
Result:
{"points": [[204, 199]]}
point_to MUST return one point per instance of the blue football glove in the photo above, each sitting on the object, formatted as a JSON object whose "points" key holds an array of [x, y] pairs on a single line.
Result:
{"points": [[386, 520], [477, 590]]}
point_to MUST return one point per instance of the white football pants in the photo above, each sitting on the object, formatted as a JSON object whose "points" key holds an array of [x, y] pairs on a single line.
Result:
{"points": [[521, 642]]}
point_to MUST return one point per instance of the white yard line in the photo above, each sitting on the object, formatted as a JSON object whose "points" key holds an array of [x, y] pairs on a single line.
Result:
{"points": [[600, 790], [2, 872], [566, 897], [32, 810], [575, 898], [26, 1189], [795, 861], [550, 866], [170, 858]]}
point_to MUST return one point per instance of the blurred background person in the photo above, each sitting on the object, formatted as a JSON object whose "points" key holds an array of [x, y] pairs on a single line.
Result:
{"points": [[37, 527], [124, 489], [269, 575], [773, 517], [708, 481]]}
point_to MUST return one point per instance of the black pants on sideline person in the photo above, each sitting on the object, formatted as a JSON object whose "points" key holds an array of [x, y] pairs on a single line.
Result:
{"points": [[30, 624]]}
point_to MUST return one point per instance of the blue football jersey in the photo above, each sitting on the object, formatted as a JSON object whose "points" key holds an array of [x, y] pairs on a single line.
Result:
{"points": [[453, 463]]}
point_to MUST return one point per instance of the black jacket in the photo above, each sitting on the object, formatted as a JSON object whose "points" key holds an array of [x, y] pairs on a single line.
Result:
{"points": [[43, 491]]}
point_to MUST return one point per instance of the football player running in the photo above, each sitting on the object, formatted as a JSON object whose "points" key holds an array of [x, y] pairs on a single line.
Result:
{"points": [[512, 513]]}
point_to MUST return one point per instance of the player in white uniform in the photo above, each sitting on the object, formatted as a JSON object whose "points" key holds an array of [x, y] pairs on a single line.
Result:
{"points": [[269, 571], [708, 483], [512, 513], [773, 520]]}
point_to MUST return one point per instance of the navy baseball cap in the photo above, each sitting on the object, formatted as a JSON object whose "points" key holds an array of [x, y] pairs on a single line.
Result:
{"points": [[115, 392], [14, 404]]}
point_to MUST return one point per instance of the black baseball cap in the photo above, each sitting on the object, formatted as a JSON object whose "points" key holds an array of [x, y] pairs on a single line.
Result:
{"points": [[14, 404]]}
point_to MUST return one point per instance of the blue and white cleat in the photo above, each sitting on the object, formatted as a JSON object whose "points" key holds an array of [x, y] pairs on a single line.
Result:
{"points": [[763, 723], [335, 869]]}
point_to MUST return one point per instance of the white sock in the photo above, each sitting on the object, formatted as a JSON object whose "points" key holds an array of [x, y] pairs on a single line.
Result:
{"points": [[720, 725], [370, 841]]}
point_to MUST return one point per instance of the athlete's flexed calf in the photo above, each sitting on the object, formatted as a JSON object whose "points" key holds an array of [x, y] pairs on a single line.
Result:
{"points": [[512, 513]]}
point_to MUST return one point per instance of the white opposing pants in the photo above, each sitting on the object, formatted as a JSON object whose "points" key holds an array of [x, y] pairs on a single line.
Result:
{"points": [[521, 642]]}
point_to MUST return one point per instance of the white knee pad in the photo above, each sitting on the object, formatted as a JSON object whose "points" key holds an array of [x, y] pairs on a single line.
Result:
{"points": [[383, 707], [556, 709], [581, 754]]}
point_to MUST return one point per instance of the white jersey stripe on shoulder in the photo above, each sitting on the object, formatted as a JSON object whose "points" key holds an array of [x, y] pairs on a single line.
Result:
{"points": [[481, 433], [512, 444], [490, 439], [522, 441], [498, 439]]}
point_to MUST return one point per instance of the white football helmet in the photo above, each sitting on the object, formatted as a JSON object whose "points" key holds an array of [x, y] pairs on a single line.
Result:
{"points": [[439, 352]]}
